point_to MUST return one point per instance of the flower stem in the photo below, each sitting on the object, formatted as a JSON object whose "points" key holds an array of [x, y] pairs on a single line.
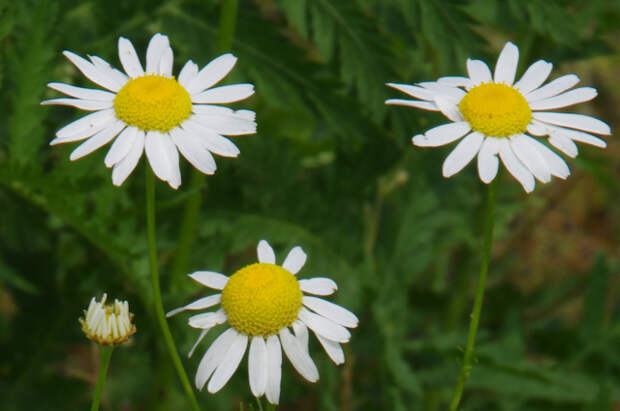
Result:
{"points": [[475, 315], [105, 353], [187, 232], [159, 308]]}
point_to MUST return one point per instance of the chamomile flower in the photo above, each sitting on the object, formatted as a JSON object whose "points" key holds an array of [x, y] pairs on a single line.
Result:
{"points": [[493, 115], [151, 111], [261, 302], [108, 324]]}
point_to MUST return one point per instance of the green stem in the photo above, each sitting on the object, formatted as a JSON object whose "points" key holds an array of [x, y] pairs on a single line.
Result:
{"points": [[105, 353], [187, 232], [475, 315], [159, 308]]}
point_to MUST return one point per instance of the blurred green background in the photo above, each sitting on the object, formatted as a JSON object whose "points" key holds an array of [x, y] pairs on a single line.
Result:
{"points": [[331, 169]]}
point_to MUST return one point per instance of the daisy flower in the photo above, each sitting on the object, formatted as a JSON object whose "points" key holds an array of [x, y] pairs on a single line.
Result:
{"points": [[261, 302], [493, 115], [107, 324], [152, 111]]}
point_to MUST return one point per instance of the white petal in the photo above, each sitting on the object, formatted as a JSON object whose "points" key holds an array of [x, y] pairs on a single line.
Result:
{"points": [[537, 128], [121, 146], [321, 325], [515, 167], [202, 335], [318, 286], [86, 126], [449, 108], [210, 279], [442, 89], [193, 150], [165, 64], [227, 125], [298, 356], [553, 88], [154, 52], [534, 76], [462, 154], [97, 141], [187, 74], [207, 320], [89, 105], [564, 144], [530, 157], [163, 157], [578, 95], [478, 71], [129, 58], [441, 135], [83, 93], [224, 94], [274, 369], [104, 67], [557, 165], [424, 105], [506, 66], [265, 253], [578, 136], [211, 140], [572, 120], [123, 168], [229, 363], [301, 333], [488, 163], [295, 260], [91, 72], [456, 81], [333, 349], [212, 73], [413, 91], [214, 356], [329, 310], [200, 304], [257, 366]]}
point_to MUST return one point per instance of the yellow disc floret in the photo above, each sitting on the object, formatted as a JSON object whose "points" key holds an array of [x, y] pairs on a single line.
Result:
{"points": [[261, 299], [153, 102], [496, 110]]}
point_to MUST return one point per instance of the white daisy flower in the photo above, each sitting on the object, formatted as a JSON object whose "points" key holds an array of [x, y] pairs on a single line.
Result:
{"points": [[152, 111], [260, 302], [107, 324], [493, 115]]}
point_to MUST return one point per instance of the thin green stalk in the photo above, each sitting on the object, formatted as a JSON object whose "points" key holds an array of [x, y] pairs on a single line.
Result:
{"points": [[159, 308], [105, 353], [475, 315], [187, 232]]}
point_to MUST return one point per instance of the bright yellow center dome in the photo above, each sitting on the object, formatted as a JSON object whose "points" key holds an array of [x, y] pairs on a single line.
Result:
{"points": [[261, 299], [496, 110], [153, 102]]}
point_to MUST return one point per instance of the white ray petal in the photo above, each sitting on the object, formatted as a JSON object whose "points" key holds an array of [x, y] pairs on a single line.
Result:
{"points": [[326, 327], [537, 128], [200, 304], [208, 319], [530, 157], [534, 76], [188, 73], [211, 74], [298, 356], [441, 135], [88, 105], [301, 333], [193, 150], [553, 88], [97, 141], [295, 260], [123, 168], [413, 91], [265, 253], [424, 105], [214, 356], [210, 279], [229, 363], [82, 93], [557, 165], [488, 163], [224, 94], [202, 335], [506, 66], [211, 140], [329, 310], [462, 154], [86, 126], [91, 72], [318, 286], [117, 76], [155, 51], [274, 369], [515, 167], [478, 71], [257, 366], [129, 58], [121, 146], [165, 64], [578, 95], [333, 349], [449, 108], [564, 144], [226, 125], [456, 81], [163, 157], [572, 120]]}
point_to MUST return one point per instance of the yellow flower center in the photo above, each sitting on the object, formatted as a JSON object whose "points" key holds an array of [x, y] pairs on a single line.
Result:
{"points": [[153, 102], [496, 110], [261, 299]]}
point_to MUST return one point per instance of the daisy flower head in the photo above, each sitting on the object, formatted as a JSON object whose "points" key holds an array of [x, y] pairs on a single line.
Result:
{"points": [[492, 115], [108, 324], [261, 302], [149, 110]]}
